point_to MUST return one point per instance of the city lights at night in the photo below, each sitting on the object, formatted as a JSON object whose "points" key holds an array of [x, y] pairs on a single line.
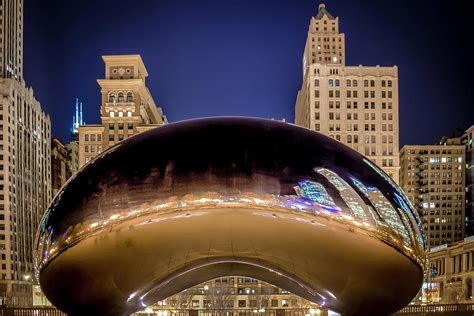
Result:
{"points": [[236, 158]]}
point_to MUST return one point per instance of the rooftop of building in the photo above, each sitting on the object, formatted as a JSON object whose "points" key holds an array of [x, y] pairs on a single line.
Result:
{"points": [[120, 60], [323, 12]]}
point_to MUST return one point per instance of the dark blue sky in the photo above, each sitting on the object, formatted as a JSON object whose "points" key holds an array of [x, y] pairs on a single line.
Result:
{"points": [[229, 57]]}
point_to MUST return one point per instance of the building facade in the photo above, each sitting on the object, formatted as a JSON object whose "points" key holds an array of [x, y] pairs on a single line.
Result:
{"points": [[127, 107], [11, 39], [25, 186], [355, 105], [60, 165], [25, 164], [73, 148], [237, 296], [467, 140], [433, 178], [451, 273]]}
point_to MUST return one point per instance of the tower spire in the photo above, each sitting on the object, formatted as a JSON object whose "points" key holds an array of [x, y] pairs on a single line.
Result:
{"points": [[80, 115]]}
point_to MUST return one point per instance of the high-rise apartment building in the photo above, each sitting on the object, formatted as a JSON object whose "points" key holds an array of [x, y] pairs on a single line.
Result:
{"points": [[355, 105], [25, 163], [127, 107], [60, 165], [11, 39], [433, 177]]}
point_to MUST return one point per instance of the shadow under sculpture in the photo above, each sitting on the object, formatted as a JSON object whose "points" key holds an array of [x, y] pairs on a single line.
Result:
{"points": [[200, 199]]}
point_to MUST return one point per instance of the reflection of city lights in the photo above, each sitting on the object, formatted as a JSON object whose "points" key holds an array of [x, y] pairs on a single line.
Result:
{"points": [[131, 296], [115, 216]]}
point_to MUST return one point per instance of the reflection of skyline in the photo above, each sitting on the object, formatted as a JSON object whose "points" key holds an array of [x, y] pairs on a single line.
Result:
{"points": [[384, 209], [349, 195], [314, 191]]}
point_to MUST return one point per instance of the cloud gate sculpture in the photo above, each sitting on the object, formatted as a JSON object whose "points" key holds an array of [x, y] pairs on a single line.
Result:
{"points": [[200, 199]]}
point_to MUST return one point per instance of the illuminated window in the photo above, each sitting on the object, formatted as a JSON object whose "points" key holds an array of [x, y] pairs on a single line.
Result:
{"points": [[112, 114], [120, 114], [129, 114]]}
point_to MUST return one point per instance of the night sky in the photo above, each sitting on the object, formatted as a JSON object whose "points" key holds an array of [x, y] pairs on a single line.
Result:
{"points": [[225, 57]]}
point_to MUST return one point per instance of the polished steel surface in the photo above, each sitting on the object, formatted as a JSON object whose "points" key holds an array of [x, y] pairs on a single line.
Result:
{"points": [[190, 201]]}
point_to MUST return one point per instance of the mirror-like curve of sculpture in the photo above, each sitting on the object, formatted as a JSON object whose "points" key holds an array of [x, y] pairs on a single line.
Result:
{"points": [[194, 200]]}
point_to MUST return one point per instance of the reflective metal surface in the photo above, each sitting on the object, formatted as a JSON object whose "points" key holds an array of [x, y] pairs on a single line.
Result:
{"points": [[190, 201]]}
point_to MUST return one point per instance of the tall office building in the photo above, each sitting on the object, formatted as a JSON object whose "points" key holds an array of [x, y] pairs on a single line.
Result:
{"points": [[355, 105], [433, 177], [25, 165], [127, 107], [11, 39]]}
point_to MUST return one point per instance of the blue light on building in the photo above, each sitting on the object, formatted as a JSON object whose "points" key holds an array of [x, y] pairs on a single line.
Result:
{"points": [[77, 120]]}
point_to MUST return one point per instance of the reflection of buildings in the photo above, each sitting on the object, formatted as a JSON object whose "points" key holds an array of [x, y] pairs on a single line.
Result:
{"points": [[433, 178], [238, 296], [355, 105], [127, 107], [25, 165], [349, 196], [315, 192], [451, 273]]}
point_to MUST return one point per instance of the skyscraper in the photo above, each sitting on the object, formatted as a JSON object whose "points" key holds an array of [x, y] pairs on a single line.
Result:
{"points": [[11, 39], [25, 165], [127, 107], [76, 121], [355, 105]]}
